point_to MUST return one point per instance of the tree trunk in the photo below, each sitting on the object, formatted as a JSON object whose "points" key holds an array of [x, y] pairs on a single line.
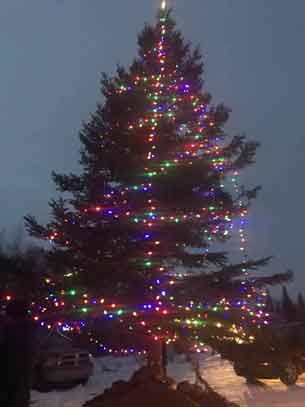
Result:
{"points": [[158, 358]]}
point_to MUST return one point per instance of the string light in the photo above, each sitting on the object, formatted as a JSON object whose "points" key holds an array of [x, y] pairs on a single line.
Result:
{"points": [[167, 92]]}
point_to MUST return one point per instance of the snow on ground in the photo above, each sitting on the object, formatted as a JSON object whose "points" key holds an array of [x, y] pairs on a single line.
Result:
{"points": [[217, 372], [106, 371]]}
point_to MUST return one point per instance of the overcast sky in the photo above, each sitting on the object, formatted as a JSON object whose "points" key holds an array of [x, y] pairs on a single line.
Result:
{"points": [[52, 53]]}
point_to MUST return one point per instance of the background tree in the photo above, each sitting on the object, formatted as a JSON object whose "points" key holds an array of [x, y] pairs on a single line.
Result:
{"points": [[269, 303], [23, 272], [278, 307], [300, 307], [139, 237], [288, 307], [2, 240]]}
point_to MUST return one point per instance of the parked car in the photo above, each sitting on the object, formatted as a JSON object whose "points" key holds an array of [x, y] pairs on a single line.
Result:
{"points": [[273, 366], [58, 362], [279, 353]]}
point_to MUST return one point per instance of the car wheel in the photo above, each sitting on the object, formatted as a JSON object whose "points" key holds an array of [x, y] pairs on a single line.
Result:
{"points": [[40, 384], [43, 387], [84, 382], [289, 374], [243, 372], [240, 370], [237, 369]]}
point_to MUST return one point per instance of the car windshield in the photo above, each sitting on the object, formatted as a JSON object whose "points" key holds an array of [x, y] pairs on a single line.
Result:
{"points": [[53, 339]]}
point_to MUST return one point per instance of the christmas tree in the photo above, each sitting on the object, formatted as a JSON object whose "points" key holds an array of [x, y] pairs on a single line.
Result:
{"points": [[159, 189]]}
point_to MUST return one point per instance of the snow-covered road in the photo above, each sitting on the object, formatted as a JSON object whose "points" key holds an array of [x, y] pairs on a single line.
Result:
{"points": [[217, 372]]}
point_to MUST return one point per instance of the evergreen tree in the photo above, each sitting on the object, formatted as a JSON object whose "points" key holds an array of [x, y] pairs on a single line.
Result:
{"points": [[269, 303], [153, 199], [301, 307], [288, 307], [21, 272], [278, 307]]}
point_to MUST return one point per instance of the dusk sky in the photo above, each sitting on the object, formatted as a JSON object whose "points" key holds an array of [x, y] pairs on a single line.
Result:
{"points": [[52, 53]]}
